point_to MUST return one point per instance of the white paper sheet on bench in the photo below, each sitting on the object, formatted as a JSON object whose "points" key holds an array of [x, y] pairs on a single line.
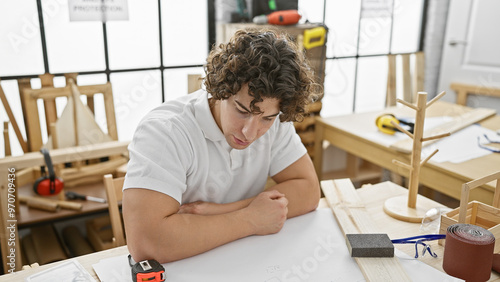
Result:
{"points": [[308, 248], [461, 146]]}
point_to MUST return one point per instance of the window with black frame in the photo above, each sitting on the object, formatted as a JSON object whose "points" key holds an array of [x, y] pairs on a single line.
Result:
{"points": [[147, 57]]}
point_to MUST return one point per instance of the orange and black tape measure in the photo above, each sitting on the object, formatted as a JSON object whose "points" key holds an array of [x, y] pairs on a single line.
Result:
{"points": [[147, 270]]}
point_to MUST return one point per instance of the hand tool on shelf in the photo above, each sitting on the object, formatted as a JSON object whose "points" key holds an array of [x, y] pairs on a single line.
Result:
{"points": [[74, 196], [285, 17]]}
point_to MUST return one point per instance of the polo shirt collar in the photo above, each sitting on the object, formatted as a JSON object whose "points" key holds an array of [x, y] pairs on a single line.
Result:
{"points": [[206, 120]]}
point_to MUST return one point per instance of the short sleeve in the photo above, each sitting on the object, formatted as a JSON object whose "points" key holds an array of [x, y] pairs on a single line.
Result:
{"points": [[286, 149], [159, 158]]}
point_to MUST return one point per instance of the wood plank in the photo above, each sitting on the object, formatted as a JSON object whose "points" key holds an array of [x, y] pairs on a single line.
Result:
{"points": [[54, 92], [307, 137], [114, 195], [194, 82], [22, 84], [6, 139], [64, 155], [303, 125], [109, 105], [352, 216], [47, 80], [13, 121], [391, 81], [314, 107], [463, 90], [32, 122], [419, 75], [407, 87]]}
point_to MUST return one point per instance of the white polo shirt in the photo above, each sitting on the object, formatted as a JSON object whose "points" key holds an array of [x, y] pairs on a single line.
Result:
{"points": [[179, 150]]}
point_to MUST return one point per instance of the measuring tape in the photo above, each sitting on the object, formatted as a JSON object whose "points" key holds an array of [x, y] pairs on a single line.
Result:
{"points": [[147, 270], [384, 124]]}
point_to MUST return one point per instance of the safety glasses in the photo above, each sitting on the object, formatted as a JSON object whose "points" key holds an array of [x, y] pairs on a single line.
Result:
{"points": [[419, 240], [484, 146]]}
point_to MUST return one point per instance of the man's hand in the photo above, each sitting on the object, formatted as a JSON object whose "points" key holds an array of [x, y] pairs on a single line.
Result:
{"points": [[267, 212]]}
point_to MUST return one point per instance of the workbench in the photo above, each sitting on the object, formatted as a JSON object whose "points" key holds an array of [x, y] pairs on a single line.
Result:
{"points": [[372, 195], [348, 133]]}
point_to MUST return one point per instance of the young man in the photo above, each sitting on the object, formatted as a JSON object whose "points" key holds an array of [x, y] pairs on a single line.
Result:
{"points": [[199, 164]]}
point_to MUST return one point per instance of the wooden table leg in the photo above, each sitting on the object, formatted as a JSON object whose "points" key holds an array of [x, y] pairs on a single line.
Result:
{"points": [[318, 149]]}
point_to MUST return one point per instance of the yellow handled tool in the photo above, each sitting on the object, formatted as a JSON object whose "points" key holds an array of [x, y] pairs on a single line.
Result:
{"points": [[384, 124], [314, 37]]}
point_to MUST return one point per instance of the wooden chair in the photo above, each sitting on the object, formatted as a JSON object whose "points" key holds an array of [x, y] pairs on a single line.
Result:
{"points": [[411, 85], [114, 193], [464, 90]]}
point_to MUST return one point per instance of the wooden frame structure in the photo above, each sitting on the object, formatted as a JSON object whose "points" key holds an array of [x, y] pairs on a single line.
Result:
{"points": [[115, 195], [464, 90], [10, 166], [396, 206], [411, 84], [475, 212], [48, 95], [22, 142]]}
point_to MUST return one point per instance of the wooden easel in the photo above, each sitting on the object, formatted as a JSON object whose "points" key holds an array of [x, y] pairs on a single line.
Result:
{"points": [[5, 102], [400, 207]]}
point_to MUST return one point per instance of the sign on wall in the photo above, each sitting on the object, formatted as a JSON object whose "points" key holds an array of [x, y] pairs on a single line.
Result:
{"points": [[98, 10]]}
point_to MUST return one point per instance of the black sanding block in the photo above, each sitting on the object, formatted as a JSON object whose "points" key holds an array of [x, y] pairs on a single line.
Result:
{"points": [[369, 245]]}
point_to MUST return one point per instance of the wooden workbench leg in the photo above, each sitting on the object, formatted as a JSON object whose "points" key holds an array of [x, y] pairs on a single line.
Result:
{"points": [[318, 150]]}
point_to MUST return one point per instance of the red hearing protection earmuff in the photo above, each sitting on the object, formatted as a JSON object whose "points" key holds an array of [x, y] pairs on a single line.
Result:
{"points": [[48, 185]]}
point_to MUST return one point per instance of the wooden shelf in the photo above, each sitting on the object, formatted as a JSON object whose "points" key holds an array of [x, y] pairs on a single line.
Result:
{"points": [[30, 216]]}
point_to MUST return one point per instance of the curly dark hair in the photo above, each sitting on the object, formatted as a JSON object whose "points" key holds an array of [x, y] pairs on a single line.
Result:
{"points": [[272, 65]]}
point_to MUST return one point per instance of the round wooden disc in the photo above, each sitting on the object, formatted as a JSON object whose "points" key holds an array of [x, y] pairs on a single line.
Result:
{"points": [[397, 207]]}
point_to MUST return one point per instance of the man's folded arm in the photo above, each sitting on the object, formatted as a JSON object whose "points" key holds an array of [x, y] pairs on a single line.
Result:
{"points": [[299, 183], [155, 230]]}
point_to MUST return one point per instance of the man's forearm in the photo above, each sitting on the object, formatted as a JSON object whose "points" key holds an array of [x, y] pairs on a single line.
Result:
{"points": [[195, 234], [302, 196], [166, 235]]}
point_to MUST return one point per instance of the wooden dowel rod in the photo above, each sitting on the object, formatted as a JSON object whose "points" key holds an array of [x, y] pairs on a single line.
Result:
{"points": [[402, 164], [13, 121], [6, 139], [408, 104], [436, 137], [438, 96], [41, 204], [416, 150], [428, 158], [51, 204], [402, 129]]}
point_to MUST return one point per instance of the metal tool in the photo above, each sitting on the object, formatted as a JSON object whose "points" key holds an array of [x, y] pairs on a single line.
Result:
{"points": [[286, 17], [74, 196]]}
